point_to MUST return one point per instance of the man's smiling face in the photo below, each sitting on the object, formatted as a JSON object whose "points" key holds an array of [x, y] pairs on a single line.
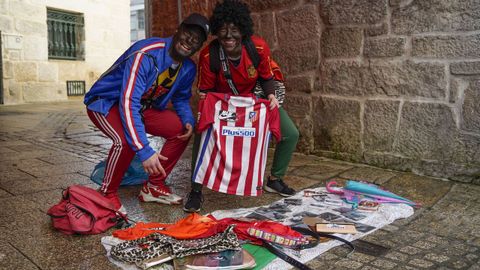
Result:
{"points": [[188, 40]]}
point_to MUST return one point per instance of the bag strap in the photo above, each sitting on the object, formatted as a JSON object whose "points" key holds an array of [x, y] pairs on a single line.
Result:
{"points": [[282, 255], [316, 235], [226, 71]]}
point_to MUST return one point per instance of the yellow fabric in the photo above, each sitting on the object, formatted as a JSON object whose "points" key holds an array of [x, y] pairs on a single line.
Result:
{"points": [[166, 75]]}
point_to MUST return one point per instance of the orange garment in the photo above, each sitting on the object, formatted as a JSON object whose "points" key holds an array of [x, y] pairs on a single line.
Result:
{"points": [[189, 227]]}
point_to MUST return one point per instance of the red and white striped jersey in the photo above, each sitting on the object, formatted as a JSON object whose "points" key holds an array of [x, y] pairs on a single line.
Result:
{"points": [[234, 143]]}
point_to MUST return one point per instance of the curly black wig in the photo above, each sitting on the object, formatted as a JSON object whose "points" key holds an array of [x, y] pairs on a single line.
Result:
{"points": [[232, 11]]}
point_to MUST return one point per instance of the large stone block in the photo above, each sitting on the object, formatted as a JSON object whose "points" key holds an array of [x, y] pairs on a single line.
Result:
{"points": [[392, 79], [471, 108], [265, 27], [380, 122], [377, 30], [25, 71], [446, 46], [455, 171], [7, 70], [4, 7], [427, 131], [466, 149], [465, 68], [12, 55], [337, 125], [42, 92], [71, 70], [47, 72], [25, 27], [458, 85], [336, 12], [35, 48], [29, 10], [298, 106], [342, 42], [302, 83], [13, 92], [6, 24], [388, 160], [420, 16], [202, 7], [292, 25], [165, 21], [305, 142], [258, 6], [384, 47], [299, 58]]}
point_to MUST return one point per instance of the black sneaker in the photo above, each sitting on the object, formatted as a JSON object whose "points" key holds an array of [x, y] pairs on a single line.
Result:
{"points": [[278, 186], [194, 202]]}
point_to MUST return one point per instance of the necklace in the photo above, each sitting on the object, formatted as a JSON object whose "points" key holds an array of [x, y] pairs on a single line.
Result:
{"points": [[234, 58]]}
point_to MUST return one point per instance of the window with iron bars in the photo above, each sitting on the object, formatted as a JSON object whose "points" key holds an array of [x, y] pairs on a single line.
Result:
{"points": [[66, 35]]}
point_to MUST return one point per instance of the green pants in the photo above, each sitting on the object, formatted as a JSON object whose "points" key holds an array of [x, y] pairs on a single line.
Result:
{"points": [[283, 150]]}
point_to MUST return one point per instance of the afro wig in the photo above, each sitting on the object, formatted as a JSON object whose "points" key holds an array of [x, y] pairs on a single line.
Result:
{"points": [[232, 11]]}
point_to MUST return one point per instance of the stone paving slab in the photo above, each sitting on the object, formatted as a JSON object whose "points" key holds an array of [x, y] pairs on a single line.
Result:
{"points": [[11, 258], [15, 164], [369, 174], [59, 169], [36, 164], [425, 190]]}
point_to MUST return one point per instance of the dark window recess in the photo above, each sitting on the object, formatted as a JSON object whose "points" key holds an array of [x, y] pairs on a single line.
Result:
{"points": [[75, 88], [66, 35]]}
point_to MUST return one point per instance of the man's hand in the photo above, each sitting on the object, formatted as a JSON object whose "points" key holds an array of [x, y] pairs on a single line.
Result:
{"points": [[152, 165], [273, 101], [187, 134]]}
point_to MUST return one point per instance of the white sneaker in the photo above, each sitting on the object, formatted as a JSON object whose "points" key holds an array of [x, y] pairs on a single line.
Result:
{"points": [[160, 194]]}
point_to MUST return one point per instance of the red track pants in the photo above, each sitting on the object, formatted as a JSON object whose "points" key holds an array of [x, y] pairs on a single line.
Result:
{"points": [[164, 123]]}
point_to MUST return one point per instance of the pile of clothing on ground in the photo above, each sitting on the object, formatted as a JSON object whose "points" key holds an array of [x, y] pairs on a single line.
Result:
{"points": [[197, 241], [237, 239]]}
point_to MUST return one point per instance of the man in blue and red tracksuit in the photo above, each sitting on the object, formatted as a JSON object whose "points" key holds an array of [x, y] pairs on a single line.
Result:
{"points": [[129, 101]]}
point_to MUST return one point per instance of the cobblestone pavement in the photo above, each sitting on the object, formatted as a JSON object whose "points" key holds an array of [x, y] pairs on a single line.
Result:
{"points": [[47, 147]]}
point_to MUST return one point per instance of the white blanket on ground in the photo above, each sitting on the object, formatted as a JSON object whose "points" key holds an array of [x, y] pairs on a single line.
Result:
{"points": [[386, 214]]}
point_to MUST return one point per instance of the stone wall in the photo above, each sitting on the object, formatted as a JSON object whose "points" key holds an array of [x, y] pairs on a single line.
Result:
{"points": [[399, 85], [391, 83], [28, 74]]}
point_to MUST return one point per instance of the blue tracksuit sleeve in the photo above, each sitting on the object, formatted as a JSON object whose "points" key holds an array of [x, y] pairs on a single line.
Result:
{"points": [[181, 98], [135, 79]]}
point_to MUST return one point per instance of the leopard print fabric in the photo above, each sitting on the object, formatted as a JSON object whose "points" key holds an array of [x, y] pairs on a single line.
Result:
{"points": [[279, 91], [157, 244]]}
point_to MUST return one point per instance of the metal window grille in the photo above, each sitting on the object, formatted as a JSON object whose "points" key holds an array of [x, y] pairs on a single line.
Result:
{"points": [[65, 35], [75, 88]]}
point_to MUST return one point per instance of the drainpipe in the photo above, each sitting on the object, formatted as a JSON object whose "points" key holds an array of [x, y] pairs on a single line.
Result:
{"points": [[148, 23], [179, 7]]}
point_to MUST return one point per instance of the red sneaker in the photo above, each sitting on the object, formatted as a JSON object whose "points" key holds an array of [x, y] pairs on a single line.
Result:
{"points": [[160, 194]]}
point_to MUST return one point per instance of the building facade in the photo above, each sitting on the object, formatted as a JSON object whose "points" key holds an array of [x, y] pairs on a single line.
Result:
{"points": [[49, 44], [137, 20], [391, 83]]}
